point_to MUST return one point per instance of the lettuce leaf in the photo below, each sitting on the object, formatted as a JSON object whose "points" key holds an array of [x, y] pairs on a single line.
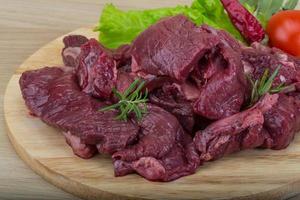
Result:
{"points": [[117, 27], [215, 16]]}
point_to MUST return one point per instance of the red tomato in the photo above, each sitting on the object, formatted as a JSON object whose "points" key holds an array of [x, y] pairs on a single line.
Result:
{"points": [[283, 30]]}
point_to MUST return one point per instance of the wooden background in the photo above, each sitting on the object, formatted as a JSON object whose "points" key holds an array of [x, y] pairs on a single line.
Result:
{"points": [[25, 26]]}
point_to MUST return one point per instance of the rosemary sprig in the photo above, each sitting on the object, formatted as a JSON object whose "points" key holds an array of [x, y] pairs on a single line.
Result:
{"points": [[264, 85], [131, 100]]}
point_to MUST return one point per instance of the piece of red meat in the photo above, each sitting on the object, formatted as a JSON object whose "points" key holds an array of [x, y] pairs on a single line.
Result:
{"points": [[172, 100], [164, 152], [97, 70], [224, 37], [258, 58], [224, 88], [124, 80], [201, 58], [122, 55], [172, 47], [71, 50], [79, 148], [271, 123], [282, 121], [240, 131], [54, 96]]}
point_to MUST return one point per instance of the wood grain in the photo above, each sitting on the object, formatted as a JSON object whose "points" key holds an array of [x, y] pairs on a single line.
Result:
{"points": [[250, 174], [25, 27]]}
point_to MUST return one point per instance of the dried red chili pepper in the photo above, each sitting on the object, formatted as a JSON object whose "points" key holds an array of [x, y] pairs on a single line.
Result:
{"points": [[244, 21]]}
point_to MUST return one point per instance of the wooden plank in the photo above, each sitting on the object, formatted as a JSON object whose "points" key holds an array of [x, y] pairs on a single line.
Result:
{"points": [[26, 26]]}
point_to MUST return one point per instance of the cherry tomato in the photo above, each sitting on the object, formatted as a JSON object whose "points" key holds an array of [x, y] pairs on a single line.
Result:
{"points": [[283, 30]]}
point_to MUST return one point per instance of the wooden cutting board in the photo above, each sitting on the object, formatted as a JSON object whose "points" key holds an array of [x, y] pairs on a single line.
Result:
{"points": [[251, 174]]}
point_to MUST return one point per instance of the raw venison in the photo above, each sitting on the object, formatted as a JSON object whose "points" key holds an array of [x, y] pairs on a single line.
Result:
{"points": [[240, 131], [79, 148], [224, 37], [224, 86], [157, 82], [97, 70], [282, 121], [164, 152], [54, 96], [155, 147], [258, 58], [124, 80], [122, 55], [72, 49], [172, 100], [172, 47], [271, 123], [96, 65], [194, 56], [73, 43]]}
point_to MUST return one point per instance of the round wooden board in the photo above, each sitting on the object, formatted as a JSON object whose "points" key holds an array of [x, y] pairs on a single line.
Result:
{"points": [[252, 174]]}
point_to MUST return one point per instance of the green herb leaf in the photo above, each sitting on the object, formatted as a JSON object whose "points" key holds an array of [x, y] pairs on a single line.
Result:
{"points": [[268, 84], [290, 4], [117, 94], [254, 94], [277, 89], [131, 88], [263, 86], [269, 7], [132, 100], [263, 80]]}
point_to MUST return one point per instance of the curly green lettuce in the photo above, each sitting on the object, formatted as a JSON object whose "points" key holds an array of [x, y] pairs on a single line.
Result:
{"points": [[117, 27]]}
